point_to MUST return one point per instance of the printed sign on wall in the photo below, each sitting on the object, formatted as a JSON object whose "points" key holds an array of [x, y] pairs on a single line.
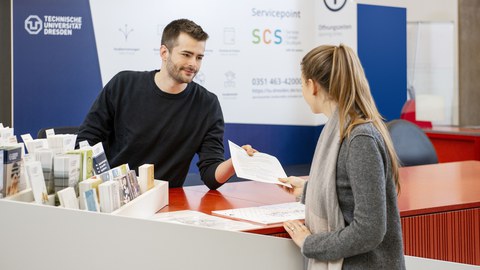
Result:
{"points": [[55, 70], [253, 54]]}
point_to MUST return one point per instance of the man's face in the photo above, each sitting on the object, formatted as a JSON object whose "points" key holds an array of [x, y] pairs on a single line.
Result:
{"points": [[183, 61]]}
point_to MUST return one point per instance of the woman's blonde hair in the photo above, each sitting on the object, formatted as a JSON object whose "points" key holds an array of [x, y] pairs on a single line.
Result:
{"points": [[338, 70]]}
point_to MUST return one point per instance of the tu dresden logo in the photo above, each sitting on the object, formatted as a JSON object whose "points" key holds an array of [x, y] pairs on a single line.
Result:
{"points": [[33, 24]]}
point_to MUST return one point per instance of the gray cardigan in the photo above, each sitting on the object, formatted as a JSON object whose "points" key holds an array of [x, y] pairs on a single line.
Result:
{"points": [[372, 238]]}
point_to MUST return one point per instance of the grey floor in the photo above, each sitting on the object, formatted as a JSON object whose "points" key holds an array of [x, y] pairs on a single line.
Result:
{"points": [[193, 179]]}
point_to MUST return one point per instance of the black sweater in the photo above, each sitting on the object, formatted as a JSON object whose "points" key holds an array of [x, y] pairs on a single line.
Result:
{"points": [[138, 123]]}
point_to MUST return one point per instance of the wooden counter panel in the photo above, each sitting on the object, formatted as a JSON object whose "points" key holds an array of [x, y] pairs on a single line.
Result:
{"points": [[455, 148], [182, 199], [250, 191], [450, 236], [455, 143], [439, 187]]}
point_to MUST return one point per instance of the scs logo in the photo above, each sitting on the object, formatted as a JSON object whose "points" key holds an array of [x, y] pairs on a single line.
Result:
{"points": [[267, 36]]}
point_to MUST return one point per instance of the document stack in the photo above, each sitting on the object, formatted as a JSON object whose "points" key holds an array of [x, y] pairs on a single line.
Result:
{"points": [[128, 187], [66, 171], [68, 198], [45, 156], [11, 168], [37, 182], [87, 184]]}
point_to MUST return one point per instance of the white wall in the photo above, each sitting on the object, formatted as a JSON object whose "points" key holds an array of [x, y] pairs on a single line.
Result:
{"points": [[432, 10], [388, 3], [422, 10]]}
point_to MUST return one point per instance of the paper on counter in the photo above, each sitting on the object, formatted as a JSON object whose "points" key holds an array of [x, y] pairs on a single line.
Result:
{"points": [[267, 214], [260, 167], [196, 218]]}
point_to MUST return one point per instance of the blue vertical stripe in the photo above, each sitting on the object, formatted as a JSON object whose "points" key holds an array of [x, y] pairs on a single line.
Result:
{"points": [[382, 48]]}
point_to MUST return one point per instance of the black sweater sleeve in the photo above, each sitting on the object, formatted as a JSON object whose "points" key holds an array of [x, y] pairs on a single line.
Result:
{"points": [[98, 123], [211, 151]]}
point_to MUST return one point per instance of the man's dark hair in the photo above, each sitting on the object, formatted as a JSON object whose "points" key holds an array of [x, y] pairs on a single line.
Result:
{"points": [[173, 30]]}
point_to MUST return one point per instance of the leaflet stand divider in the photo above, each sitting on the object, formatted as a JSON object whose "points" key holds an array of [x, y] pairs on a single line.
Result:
{"points": [[147, 204], [144, 206], [26, 195]]}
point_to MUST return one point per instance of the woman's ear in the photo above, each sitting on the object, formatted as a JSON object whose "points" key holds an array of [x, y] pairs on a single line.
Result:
{"points": [[313, 86]]}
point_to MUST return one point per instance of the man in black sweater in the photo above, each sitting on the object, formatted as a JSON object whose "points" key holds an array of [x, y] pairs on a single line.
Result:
{"points": [[162, 117]]}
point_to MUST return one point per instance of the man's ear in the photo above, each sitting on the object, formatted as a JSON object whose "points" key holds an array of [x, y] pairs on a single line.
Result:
{"points": [[164, 52]]}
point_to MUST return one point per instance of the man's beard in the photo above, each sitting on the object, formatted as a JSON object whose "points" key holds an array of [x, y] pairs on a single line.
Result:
{"points": [[175, 72]]}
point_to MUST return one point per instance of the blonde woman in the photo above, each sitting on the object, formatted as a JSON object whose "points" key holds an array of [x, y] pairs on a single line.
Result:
{"points": [[352, 219]]}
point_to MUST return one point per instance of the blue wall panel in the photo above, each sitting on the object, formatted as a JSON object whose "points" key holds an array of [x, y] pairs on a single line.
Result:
{"points": [[56, 78], [382, 48], [291, 144]]}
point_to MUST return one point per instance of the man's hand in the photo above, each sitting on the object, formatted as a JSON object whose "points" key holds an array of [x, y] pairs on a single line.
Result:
{"points": [[249, 149], [225, 170]]}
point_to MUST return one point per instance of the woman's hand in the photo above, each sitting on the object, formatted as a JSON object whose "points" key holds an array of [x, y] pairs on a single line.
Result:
{"points": [[297, 184], [297, 231]]}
